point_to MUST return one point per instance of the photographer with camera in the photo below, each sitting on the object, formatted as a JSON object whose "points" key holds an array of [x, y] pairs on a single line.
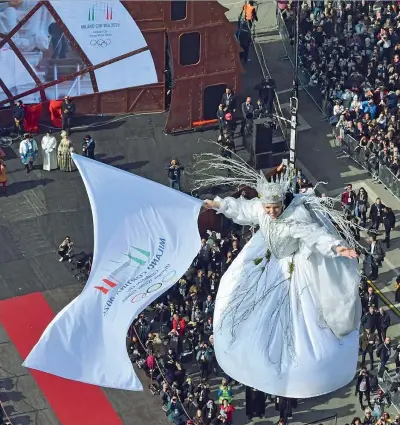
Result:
{"points": [[203, 359], [175, 413], [174, 170], [65, 250]]}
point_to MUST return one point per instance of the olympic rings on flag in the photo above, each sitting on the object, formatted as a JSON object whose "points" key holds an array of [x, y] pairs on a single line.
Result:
{"points": [[138, 297], [155, 287], [100, 42]]}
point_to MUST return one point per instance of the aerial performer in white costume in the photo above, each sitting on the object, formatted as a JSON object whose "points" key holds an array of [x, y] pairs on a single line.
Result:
{"points": [[287, 311]]}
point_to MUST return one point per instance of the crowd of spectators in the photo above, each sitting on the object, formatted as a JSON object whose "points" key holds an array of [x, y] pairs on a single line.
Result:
{"points": [[173, 343], [351, 50]]}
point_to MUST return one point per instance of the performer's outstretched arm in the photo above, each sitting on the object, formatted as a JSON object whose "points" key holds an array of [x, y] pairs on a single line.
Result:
{"points": [[318, 239], [241, 211]]}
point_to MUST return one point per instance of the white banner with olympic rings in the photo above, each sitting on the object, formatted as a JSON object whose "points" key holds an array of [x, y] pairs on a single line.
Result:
{"points": [[104, 30], [145, 238]]}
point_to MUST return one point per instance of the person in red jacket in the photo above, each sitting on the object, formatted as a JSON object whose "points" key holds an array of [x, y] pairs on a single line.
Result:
{"points": [[177, 332], [178, 325], [348, 198], [226, 412]]}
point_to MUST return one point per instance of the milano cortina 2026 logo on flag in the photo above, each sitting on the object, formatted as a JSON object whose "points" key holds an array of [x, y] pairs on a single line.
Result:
{"points": [[131, 279], [100, 10], [146, 237]]}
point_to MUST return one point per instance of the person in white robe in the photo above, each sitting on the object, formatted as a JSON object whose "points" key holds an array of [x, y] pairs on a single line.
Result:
{"points": [[49, 148], [290, 298]]}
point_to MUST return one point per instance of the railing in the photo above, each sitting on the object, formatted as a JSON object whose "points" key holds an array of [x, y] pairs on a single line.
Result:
{"points": [[76, 83], [368, 161], [389, 386], [305, 81], [362, 156], [265, 71]]}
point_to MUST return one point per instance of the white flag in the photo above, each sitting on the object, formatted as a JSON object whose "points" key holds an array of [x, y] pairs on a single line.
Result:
{"points": [[145, 238]]}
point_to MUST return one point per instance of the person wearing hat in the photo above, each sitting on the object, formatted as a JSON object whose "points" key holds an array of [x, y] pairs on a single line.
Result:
{"points": [[28, 151], [380, 402], [88, 147], [64, 153], [67, 112], [229, 124]]}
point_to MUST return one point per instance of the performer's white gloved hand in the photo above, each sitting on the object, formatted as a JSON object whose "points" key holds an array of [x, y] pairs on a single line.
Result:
{"points": [[207, 204], [346, 252]]}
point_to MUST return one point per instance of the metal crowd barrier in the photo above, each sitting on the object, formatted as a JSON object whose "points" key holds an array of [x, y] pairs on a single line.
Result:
{"points": [[265, 71], [389, 385], [368, 161], [349, 144]]}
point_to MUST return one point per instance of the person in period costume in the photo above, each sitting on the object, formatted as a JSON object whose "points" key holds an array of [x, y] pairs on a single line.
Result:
{"points": [[64, 151], [255, 403], [3, 176], [49, 147], [28, 151], [275, 300]]}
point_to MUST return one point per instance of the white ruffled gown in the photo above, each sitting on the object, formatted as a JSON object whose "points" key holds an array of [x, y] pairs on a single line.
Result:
{"points": [[287, 310]]}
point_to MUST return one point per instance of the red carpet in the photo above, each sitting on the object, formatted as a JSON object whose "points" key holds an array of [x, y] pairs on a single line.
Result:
{"points": [[24, 319]]}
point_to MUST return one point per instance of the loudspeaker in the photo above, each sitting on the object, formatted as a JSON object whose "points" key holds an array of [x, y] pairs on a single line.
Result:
{"points": [[267, 160], [262, 136], [262, 161]]}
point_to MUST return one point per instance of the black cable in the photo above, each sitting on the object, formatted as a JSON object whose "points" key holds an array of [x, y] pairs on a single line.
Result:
{"points": [[296, 54], [163, 375]]}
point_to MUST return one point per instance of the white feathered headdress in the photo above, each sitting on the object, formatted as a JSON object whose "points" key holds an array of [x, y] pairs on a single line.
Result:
{"points": [[273, 192], [211, 169]]}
